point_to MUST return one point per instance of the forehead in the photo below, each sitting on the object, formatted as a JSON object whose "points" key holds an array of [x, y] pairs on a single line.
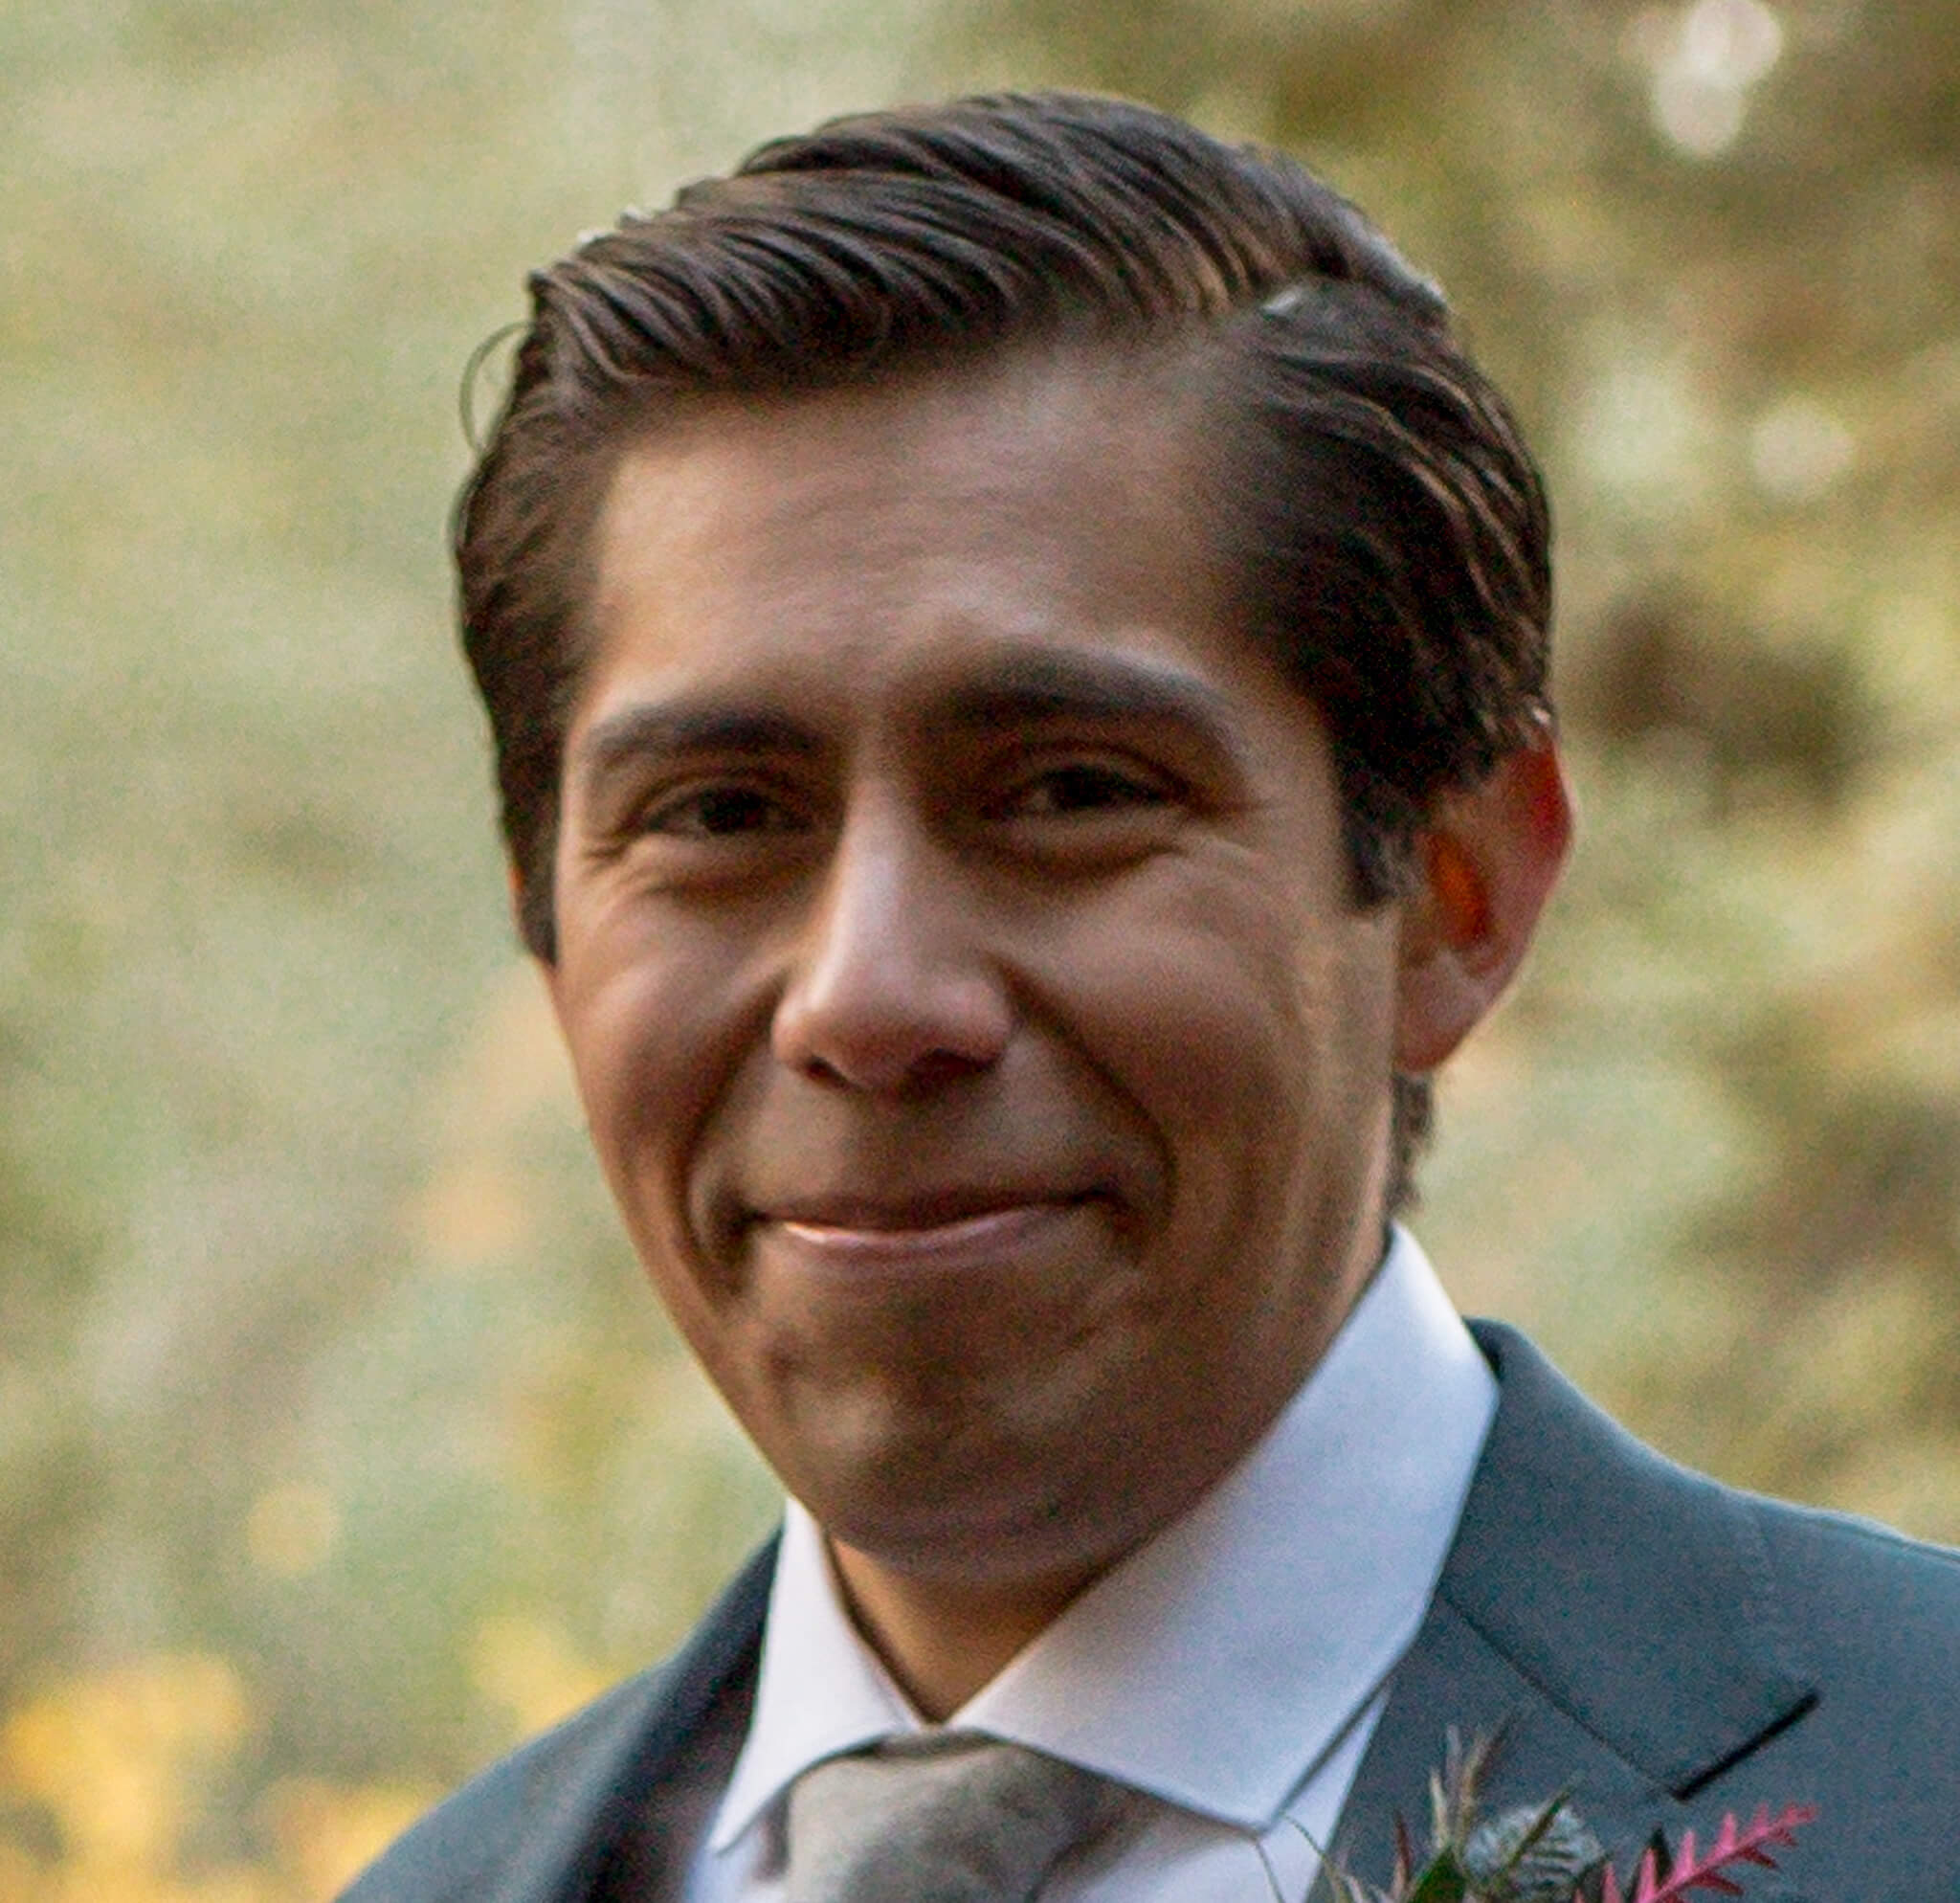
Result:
{"points": [[841, 546]]}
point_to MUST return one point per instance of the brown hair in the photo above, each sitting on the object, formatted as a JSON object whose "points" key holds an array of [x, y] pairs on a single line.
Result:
{"points": [[1381, 518]]}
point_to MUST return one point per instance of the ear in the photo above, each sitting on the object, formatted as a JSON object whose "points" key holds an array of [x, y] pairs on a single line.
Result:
{"points": [[1487, 861]]}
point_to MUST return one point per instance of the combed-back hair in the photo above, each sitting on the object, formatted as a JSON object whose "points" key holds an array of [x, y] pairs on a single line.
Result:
{"points": [[1379, 522]]}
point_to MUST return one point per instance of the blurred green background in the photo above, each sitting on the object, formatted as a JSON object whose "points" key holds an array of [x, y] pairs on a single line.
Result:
{"points": [[339, 1443]]}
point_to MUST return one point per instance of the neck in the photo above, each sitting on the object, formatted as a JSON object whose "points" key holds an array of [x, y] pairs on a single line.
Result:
{"points": [[943, 1640]]}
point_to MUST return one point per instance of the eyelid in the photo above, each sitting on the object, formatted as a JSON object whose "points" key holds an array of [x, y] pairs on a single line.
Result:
{"points": [[653, 814], [1151, 782]]}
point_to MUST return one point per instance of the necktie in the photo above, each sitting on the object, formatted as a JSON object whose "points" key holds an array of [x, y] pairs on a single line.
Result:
{"points": [[960, 1819]]}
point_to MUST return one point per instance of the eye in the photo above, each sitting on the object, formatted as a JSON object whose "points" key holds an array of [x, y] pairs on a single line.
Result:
{"points": [[731, 810], [1085, 787]]}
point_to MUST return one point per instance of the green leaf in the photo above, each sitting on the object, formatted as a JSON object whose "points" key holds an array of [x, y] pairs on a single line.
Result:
{"points": [[1443, 1879]]}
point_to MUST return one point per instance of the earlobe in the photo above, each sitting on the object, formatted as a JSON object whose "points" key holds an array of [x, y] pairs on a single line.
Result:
{"points": [[1487, 863]]}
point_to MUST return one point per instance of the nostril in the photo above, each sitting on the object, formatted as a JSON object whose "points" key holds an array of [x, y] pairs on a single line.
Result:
{"points": [[889, 1070], [892, 1023], [937, 1069]]}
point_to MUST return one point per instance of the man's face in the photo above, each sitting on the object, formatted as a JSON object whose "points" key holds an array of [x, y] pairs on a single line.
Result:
{"points": [[956, 954]]}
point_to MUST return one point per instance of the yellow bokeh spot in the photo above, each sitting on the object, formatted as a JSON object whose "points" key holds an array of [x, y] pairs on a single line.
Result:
{"points": [[471, 1213], [291, 1529], [327, 1834], [119, 1760], [22, 1880], [110, 1757], [530, 1669]]}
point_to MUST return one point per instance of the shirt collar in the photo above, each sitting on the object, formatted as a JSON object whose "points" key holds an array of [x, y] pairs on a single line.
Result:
{"points": [[1221, 1661]]}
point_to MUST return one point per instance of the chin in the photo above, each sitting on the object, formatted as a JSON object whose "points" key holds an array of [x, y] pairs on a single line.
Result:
{"points": [[945, 1491]]}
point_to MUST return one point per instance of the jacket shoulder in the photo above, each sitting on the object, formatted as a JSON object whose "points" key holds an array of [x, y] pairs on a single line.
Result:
{"points": [[1870, 1600]]}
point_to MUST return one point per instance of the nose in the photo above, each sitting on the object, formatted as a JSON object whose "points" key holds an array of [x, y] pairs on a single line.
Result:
{"points": [[892, 988]]}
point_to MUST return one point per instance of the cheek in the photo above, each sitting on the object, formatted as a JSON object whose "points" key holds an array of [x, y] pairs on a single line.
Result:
{"points": [[1251, 1034], [1228, 994], [653, 1026]]}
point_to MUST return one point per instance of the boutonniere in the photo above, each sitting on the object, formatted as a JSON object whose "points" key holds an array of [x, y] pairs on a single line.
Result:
{"points": [[1545, 1853]]}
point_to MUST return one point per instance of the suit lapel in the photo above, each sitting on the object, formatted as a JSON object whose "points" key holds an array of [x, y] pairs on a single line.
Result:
{"points": [[1610, 1613]]}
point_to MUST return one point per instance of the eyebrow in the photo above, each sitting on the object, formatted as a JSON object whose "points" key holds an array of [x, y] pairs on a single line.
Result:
{"points": [[657, 730], [1009, 692], [1026, 689]]}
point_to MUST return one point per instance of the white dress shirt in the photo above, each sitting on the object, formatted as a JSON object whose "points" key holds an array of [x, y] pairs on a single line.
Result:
{"points": [[1229, 1673]]}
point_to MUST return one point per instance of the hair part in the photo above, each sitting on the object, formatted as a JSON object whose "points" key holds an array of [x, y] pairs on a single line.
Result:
{"points": [[1374, 509]]}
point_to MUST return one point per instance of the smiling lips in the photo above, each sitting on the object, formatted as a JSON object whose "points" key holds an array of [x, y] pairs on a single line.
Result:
{"points": [[919, 1237]]}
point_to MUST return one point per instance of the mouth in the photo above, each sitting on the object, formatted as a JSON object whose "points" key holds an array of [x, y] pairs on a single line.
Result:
{"points": [[949, 1231]]}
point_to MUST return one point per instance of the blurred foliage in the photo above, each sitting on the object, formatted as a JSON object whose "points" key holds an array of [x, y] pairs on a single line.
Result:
{"points": [[121, 1768], [338, 1443]]}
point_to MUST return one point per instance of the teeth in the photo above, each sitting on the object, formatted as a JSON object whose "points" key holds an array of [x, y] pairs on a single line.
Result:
{"points": [[904, 1223], [945, 1226], [952, 1238]]}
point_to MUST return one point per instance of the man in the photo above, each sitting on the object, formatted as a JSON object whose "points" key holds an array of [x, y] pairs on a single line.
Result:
{"points": [[1017, 645]]}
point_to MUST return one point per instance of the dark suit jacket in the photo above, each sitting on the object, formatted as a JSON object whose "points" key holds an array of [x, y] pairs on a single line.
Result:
{"points": [[1664, 1647]]}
